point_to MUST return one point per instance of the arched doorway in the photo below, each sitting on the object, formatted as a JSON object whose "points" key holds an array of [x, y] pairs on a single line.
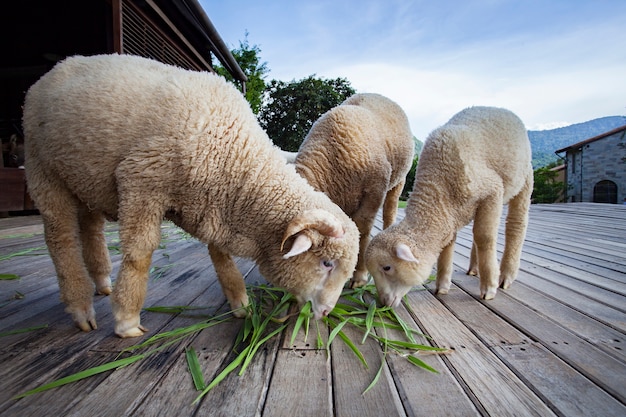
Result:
{"points": [[605, 192]]}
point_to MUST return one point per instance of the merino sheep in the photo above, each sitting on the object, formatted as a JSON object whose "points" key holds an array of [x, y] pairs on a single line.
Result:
{"points": [[469, 168], [134, 140], [359, 154]]}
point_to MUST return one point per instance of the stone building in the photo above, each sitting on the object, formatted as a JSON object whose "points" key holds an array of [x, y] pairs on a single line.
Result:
{"points": [[596, 168]]}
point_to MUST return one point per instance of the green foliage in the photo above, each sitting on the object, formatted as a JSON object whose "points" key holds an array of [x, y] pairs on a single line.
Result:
{"points": [[410, 179], [546, 188], [248, 58], [290, 109]]}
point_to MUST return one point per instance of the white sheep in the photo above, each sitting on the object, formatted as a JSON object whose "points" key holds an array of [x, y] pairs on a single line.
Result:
{"points": [[469, 168], [359, 154], [134, 140]]}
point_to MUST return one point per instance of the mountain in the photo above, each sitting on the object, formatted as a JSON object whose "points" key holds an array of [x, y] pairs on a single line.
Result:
{"points": [[545, 142]]}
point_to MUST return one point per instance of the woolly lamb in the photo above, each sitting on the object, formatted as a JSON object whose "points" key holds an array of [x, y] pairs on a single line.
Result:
{"points": [[468, 169], [123, 137], [359, 154]]}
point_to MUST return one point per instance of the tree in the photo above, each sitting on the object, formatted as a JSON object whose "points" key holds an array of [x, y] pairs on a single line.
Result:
{"points": [[249, 59], [290, 109], [546, 188], [410, 179]]}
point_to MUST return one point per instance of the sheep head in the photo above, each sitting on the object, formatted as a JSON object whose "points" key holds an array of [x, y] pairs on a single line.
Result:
{"points": [[322, 254], [395, 267]]}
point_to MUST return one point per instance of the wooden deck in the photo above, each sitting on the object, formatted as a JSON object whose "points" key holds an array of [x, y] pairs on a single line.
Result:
{"points": [[553, 344]]}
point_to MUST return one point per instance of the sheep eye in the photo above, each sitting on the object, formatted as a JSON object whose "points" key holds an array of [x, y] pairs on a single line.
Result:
{"points": [[328, 264], [386, 268]]}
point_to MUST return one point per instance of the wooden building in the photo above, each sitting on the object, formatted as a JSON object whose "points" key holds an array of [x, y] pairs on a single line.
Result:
{"points": [[38, 33]]}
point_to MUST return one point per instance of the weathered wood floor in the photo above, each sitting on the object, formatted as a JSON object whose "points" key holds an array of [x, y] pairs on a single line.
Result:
{"points": [[553, 344]]}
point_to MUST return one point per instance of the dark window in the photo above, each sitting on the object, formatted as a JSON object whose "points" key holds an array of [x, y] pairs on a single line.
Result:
{"points": [[605, 192]]}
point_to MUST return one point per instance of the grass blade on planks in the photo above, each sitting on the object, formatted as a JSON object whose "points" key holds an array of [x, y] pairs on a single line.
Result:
{"points": [[194, 368]]}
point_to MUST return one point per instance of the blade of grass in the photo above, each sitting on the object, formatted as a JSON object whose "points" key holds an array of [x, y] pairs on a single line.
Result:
{"points": [[304, 315], [222, 375], [84, 374], [9, 277], [382, 362], [194, 368], [345, 339], [256, 347], [420, 363], [24, 330], [369, 320], [23, 253]]}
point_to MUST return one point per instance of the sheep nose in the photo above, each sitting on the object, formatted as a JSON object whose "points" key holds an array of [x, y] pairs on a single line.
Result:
{"points": [[322, 311]]}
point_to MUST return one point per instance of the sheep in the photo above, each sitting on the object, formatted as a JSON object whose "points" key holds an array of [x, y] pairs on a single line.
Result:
{"points": [[469, 168], [125, 138], [359, 154]]}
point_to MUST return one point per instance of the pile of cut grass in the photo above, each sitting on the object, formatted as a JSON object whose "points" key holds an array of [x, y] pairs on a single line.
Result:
{"points": [[268, 318]]}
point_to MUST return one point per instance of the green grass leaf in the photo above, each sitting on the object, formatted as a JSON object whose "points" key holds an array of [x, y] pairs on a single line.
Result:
{"points": [[376, 377], [305, 314], [194, 367], [418, 362], [8, 277], [24, 330], [222, 375], [25, 252], [82, 375], [369, 320]]}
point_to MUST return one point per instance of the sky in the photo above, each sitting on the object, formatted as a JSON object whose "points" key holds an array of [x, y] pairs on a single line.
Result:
{"points": [[552, 62]]}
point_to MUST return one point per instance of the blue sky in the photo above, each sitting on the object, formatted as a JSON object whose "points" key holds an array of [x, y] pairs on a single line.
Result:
{"points": [[553, 62]]}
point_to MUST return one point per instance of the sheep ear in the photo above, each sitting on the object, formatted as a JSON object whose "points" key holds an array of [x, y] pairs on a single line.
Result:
{"points": [[319, 220], [301, 244], [404, 252]]}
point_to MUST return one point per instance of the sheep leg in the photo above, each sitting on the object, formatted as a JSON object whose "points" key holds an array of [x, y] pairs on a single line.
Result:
{"points": [[514, 235], [140, 235], [95, 252], [485, 232], [473, 262], [390, 206], [230, 279], [364, 219], [60, 218], [444, 268]]}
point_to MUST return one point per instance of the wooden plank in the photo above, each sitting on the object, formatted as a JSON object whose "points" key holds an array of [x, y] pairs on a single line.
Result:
{"points": [[494, 387], [566, 390], [243, 395], [600, 303], [420, 390], [300, 385], [531, 361], [603, 369], [351, 378]]}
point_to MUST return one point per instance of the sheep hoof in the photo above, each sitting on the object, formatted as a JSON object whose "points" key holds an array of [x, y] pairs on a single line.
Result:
{"points": [[488, 294], [87, 326], [137, 331], [103, 286], [358, 280], [442, 291], [506, 283], [240, 313], [107, 290], [84, 318], [473, 272], [239, 307]]}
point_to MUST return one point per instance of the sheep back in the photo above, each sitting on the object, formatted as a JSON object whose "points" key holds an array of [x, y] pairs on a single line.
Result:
{"points": [[363, 146]]}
